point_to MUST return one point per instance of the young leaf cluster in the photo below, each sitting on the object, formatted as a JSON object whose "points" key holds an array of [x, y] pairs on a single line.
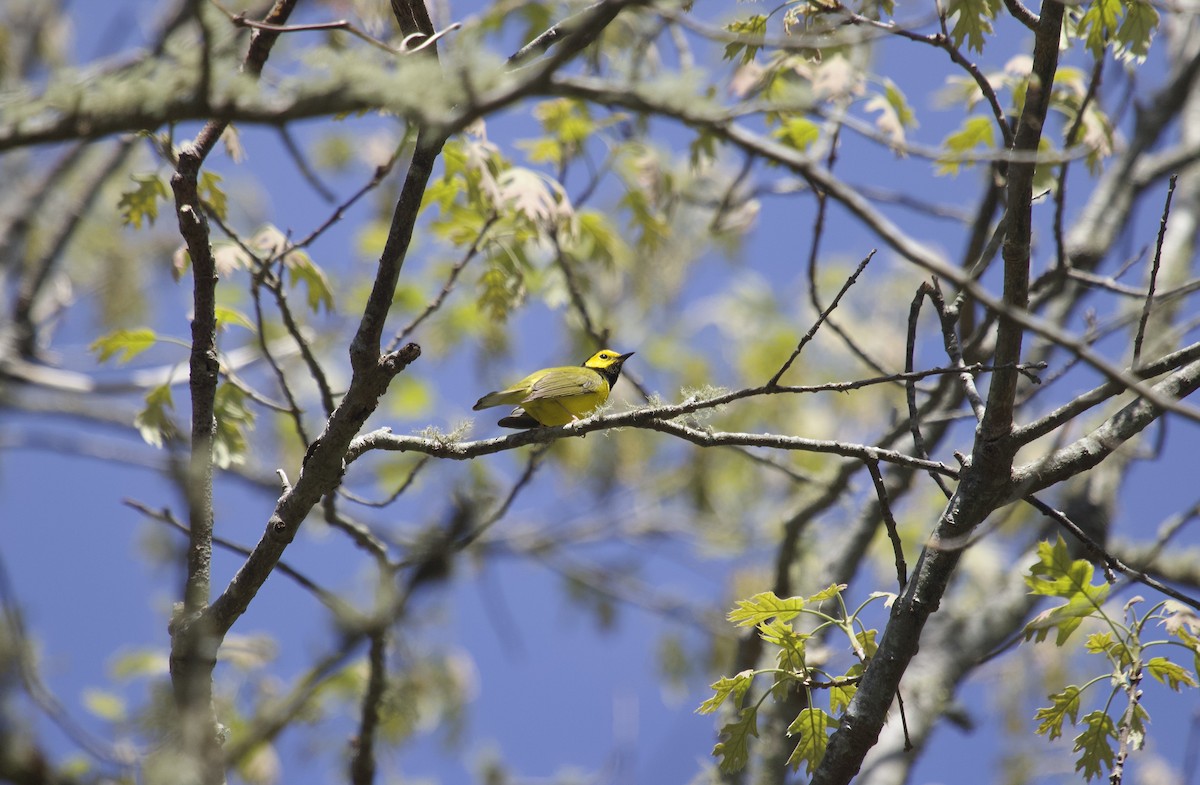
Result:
{"points": [[1125, 652], [797, 669]]}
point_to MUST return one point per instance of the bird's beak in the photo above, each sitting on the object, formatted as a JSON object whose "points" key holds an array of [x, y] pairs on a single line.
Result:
{"points": [[622, 358]]}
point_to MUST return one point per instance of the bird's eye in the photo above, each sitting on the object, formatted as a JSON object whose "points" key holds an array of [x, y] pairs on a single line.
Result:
{"points": [[603, 355]]}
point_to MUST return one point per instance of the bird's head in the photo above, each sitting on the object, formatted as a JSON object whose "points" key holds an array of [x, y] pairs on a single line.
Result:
{"points": [[607, 360]]}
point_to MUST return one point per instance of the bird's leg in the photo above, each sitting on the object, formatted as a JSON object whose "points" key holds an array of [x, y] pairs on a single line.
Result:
{"points": [[575, 420]]}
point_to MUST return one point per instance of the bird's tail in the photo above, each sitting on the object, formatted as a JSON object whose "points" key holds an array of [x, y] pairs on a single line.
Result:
{"points": [[497, 398]]}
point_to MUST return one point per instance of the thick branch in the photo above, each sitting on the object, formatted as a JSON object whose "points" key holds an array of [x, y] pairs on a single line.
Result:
{"points": [[984, 479], [1085, 453], [998, 417], [194, 643]]}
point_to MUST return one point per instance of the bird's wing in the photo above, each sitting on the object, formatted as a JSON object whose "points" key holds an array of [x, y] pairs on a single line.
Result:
{"points": [[564, 382], [512, 394]]}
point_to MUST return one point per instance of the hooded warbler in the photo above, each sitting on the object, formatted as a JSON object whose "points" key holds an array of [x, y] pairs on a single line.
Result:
{"points": [[557, 396]]}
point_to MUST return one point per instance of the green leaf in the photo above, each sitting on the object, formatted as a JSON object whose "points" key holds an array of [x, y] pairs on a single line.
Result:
{"points": [[210, 191], [105, 705], [812, 726], [154, 422], [646, 216], [840, 695], [229, 316], [1099, 24], [972, 21], [725, 687], [828, 593], [764, 606], [598, 239], [1065, 619], [1184, 624], [141, 203], [1056, 574], [126, 343], [1063, 705], [780, 633], [1136, 31], [797, 132], [894, 113], [234, 419], [1099, 642], [896, 99], [569, 121], [139, 663], [1170, 674], [755, 26], [501, 288], [316, 286], [865, 640], [1104, 643], [703, 148], [790, 656], [1095, 745], [976, 132], [734, 751]]}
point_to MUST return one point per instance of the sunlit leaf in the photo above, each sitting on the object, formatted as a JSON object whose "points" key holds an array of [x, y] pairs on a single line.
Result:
{"points": [[811, 727], [763, 607], [971, 21], [1173, 675], [303, 272], [210, 191], [734, 750], [797, 132], [1099, 24], [976, 132], [828, 593], [141, 203], [154, 421], [410, 398], [234, 420], [105, 705], [1136, 31], [1095, 745], [755, 26], [123, 344], [1063, 706], [725, 687], [139, 663], [231, 317]]}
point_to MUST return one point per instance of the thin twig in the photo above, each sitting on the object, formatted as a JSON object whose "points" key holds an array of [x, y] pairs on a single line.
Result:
{"points": [[241, 20], [341, 609], [377, 177], [531, 466], [889, 522], [814, 247], [1022, 14], [472, 251], [404, 486], [1081, 403], [1129, 719], [1104, 557], [808, 336], [926, 289], [26, 666], [1154, 266], [306, 171], [1060, 192], [295, 413], [362, 762]]}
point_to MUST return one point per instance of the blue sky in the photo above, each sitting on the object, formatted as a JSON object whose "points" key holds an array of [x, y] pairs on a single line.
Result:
{"points": [[76, 553]]}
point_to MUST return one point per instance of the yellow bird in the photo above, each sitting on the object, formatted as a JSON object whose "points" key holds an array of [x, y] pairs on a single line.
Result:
{"points": [[557, 396]]}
